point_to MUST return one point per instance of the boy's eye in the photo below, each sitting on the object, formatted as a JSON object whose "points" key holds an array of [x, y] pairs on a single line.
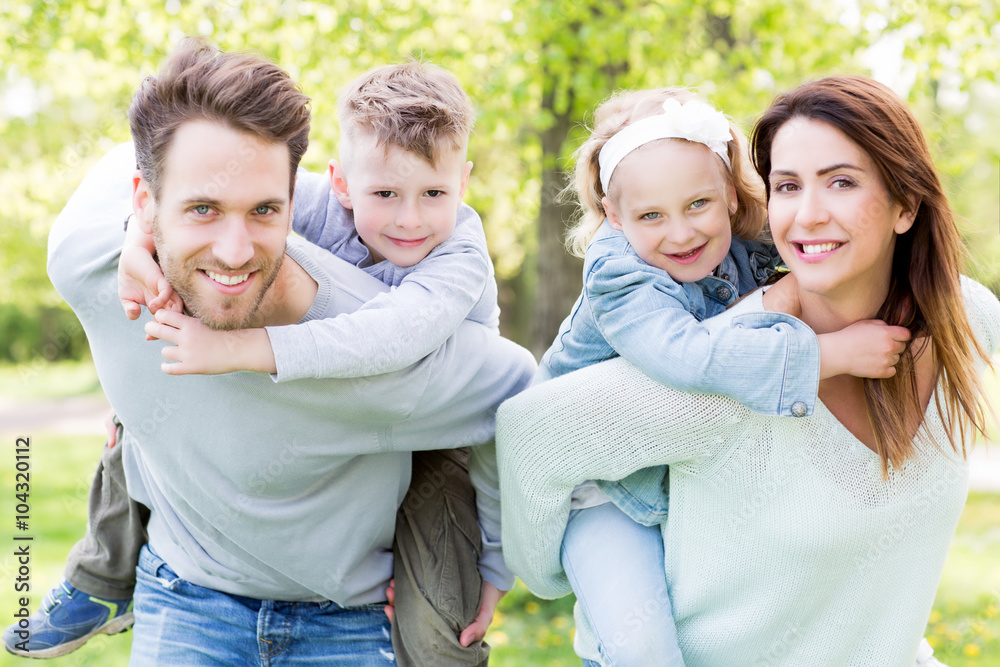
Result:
{"points": [[434, 193], [384, 194]]}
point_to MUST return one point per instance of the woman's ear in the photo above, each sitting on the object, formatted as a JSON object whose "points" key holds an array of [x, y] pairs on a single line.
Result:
{"points": [[907, 216]]}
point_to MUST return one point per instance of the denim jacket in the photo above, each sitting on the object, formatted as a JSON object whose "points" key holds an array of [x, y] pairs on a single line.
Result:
{"points": [[766, 361]]}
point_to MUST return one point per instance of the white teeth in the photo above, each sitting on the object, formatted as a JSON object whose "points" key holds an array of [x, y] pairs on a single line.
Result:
{"points": [[818, 248], [227, 280]]}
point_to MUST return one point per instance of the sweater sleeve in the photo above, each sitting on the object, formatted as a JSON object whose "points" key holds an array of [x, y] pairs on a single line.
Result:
{"points": [[485, 480], [558, 433], [396, 328], [641, 312]]}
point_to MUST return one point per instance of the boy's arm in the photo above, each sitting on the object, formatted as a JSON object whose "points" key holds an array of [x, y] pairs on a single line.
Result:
{"points": [[396, 328], [768, 362]]}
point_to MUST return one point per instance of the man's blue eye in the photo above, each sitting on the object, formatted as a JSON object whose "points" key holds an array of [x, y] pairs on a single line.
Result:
{"points": [[202, 210], [263, 210]]}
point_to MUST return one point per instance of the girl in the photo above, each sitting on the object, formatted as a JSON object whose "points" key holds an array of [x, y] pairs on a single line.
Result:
{"points": [[672, 229], [792, 542]]}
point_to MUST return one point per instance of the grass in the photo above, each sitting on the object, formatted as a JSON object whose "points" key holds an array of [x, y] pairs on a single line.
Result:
{"points": [[964, 626]]}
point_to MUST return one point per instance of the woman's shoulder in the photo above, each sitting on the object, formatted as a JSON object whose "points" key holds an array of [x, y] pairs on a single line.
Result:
{"points": [[983, 310]]}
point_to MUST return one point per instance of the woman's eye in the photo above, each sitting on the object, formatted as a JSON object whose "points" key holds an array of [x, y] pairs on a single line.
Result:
{"points": [[843, 183], [785, 187]]}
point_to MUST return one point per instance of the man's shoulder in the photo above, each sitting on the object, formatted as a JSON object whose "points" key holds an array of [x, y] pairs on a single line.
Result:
{"points": [[332, 272]]}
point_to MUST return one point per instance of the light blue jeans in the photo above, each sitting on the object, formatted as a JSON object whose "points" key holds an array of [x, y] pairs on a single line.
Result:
{"points": [[180, 623], [615, 566]]}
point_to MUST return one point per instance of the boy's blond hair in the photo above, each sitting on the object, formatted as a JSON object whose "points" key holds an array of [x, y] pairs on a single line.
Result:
{"points": [[621, 110], [416, 106]]}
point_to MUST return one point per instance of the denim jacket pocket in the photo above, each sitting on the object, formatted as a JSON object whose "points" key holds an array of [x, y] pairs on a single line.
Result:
{"points": [[643, 495]]}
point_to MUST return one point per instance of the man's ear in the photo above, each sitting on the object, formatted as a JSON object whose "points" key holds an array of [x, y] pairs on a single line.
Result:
{"points": [[338, 181], [609, 210], [143, 204], [465, 179]]}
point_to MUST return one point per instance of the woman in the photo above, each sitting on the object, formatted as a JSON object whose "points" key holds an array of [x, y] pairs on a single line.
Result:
{"points": [[798, 541]]}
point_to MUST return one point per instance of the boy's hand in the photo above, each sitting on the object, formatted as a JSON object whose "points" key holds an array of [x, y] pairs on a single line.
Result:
{"points": [[140, 280], [199, 349], [866, 349], [477, 629]]}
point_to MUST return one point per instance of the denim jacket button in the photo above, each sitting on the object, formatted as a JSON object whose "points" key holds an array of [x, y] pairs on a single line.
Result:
{"points": [[723, 292], [799, 409]]}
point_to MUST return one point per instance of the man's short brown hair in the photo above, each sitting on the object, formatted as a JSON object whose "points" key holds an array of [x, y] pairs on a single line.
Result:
{"points": [[415, 106], [243, 91]]}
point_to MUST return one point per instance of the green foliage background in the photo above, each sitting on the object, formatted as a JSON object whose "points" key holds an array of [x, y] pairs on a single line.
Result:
{"points": [[534, 69]]}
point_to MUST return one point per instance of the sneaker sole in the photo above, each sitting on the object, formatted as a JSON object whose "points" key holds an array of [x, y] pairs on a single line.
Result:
{"points": [[112, 627]]}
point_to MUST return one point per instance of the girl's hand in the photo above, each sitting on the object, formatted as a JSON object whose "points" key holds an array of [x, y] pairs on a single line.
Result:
{"points": [[199, 349], [866, 349]]}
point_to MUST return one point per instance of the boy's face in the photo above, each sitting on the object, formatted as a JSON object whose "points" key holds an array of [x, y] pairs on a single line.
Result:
{"points": [[221, 221], [404, 207]]}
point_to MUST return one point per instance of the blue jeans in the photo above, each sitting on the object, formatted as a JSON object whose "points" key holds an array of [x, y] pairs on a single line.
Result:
{"points": [[615, 566], [180, 623]]}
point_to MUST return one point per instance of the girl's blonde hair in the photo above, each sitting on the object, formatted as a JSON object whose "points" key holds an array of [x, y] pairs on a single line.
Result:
{"points": [[618, 112]]}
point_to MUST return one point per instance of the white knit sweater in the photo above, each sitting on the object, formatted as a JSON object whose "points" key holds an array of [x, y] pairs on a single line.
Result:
{"points": [[784, 544]]}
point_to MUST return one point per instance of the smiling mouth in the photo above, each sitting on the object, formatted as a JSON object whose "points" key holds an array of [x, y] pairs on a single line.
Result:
{"points": [[817, 248], [229, 281], [687, 256], [408, 243]]}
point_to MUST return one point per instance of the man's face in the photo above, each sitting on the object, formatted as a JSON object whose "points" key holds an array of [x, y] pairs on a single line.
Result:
{"points": [[221, 221]]}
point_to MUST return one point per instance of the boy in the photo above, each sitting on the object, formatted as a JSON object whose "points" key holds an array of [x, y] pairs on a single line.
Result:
{"points": [[402, 174]]}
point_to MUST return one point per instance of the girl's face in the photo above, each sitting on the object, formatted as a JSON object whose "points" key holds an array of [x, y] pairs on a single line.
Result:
{"points": [[673, 204], [830, 213]]}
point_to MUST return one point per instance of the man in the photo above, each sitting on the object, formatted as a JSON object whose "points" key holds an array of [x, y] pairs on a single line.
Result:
{"points": [[272, 505]]}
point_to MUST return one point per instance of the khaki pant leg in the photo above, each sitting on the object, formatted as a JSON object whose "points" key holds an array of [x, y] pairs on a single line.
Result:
{"points": [[438, 585], [103, 562]]}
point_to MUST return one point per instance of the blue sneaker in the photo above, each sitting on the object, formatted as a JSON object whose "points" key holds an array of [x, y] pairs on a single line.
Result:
{"points": [[68, 617]]}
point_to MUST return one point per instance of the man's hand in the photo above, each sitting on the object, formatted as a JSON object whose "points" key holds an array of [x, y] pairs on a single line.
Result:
{"points": [[140, 280], [201, 350], [477, 629]]}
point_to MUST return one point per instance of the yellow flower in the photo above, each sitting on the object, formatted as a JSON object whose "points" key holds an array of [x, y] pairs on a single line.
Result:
{"points": [[498, 638], [560, 622], [935, 616], [933, 641], [991, 611], [532, 607], [972, 650]]}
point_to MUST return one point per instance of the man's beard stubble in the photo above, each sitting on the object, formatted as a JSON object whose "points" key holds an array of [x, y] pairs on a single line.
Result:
{"points": [[181, 276]]}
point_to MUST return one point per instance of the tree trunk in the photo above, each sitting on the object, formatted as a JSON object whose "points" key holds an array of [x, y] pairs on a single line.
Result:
{"points": [[558, 272]]}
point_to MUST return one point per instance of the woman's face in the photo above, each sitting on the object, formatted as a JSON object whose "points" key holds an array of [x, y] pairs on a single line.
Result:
{"points": [[830, 213]]}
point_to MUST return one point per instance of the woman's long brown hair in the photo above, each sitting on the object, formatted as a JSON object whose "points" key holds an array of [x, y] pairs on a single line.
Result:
{"points": [[924, 292]]}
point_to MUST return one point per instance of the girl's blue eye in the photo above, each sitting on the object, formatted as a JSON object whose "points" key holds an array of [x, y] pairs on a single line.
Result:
{"points": [[652, 215], [698, 203]]}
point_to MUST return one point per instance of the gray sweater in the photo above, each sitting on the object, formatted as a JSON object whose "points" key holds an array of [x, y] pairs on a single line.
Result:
{"points": [[271, 490]]}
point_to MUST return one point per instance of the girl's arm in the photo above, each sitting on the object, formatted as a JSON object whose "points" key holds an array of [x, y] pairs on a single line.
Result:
{"points": [[767, 361], [601, 422], [770, 362]]}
